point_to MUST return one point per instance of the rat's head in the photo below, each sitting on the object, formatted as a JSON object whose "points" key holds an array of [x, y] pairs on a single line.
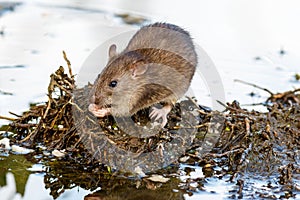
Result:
{"points": [[119, 81]]}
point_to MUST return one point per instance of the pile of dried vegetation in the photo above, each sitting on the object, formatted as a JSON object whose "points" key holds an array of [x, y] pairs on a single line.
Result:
{"points": [[250, 143]]}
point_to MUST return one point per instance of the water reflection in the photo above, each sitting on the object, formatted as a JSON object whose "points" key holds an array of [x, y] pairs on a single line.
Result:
{"points": [[8, 185], [63, 180], [14, 174], [134, 194], [107, 185]]}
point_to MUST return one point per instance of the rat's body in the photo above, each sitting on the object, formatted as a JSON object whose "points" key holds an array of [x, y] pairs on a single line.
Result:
{"points": [[156, 67]]}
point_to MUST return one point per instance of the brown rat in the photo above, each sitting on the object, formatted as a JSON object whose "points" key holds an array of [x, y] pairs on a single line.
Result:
{"points": [[156, 67]]}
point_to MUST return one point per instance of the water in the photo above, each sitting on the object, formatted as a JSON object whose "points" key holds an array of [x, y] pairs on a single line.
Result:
{"points": [[232, 33]]}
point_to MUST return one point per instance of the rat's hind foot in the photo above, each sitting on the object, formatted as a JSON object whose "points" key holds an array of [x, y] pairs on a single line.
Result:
{"points": [[162, 113]]}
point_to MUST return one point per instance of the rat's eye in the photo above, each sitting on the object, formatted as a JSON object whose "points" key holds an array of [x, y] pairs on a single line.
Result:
{"points": [[113, 84]]}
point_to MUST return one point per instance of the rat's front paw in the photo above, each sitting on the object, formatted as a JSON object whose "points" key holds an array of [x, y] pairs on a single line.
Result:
{"points": [[162, 113], [98, 112]]}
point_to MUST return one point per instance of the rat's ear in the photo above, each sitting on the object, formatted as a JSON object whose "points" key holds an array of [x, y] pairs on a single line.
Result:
{"points": [[112, 51], [139, 68]]}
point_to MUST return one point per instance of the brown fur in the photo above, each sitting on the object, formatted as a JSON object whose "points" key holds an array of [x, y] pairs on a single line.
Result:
{"points": [[156, 66]]}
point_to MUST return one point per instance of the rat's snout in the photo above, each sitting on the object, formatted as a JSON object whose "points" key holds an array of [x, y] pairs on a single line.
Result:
{"points": [[96, 98]]}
